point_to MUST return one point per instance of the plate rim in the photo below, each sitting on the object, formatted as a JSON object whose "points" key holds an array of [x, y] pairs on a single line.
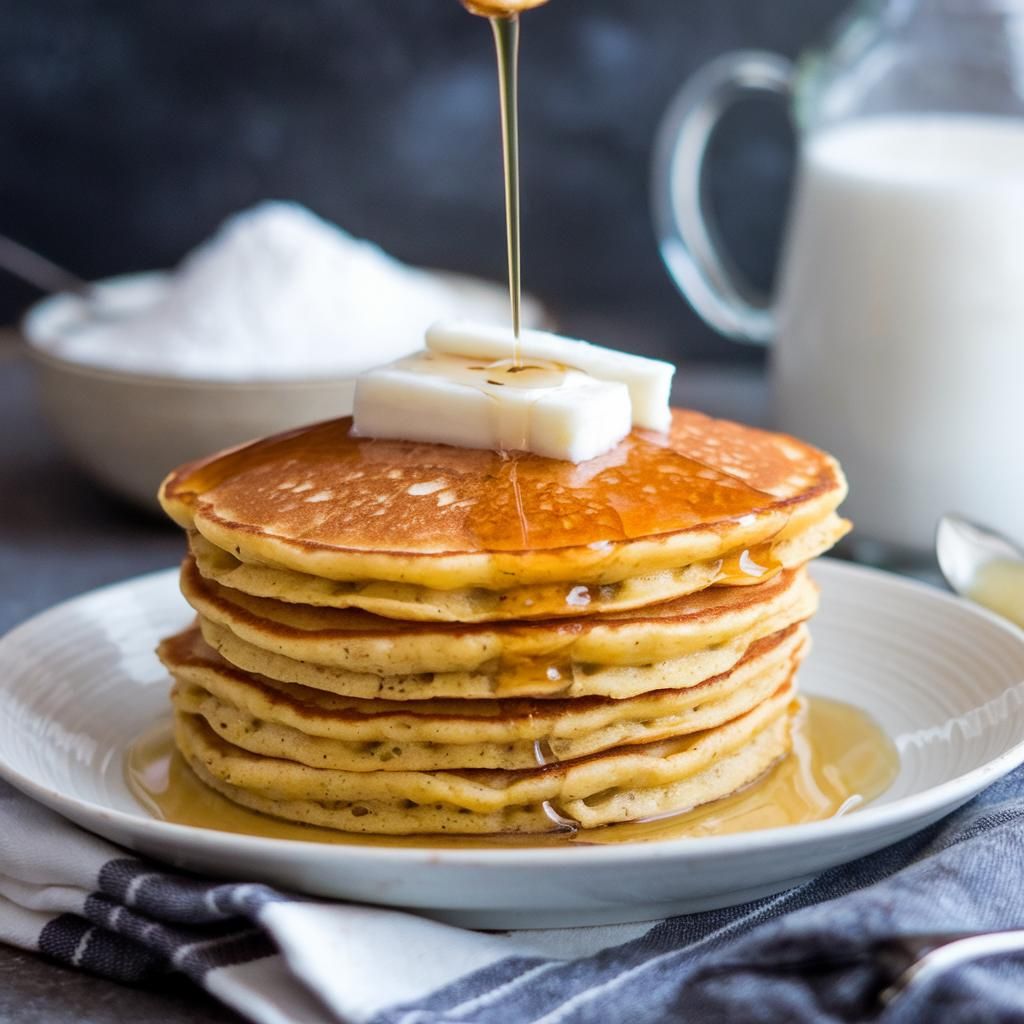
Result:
{"points": [[950, 794]]}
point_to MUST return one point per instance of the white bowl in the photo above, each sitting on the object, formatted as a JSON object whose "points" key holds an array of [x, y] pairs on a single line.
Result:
{"points": [[128, 430]]}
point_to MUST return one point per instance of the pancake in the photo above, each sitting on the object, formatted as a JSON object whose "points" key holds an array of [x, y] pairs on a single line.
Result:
{"points": [[326, 731], [623, 784], [404, 638], [475, 604], [540, 656], [324, 503]]}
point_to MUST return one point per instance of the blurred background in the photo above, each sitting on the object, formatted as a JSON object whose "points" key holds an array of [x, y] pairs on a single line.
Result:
{"points": [[129, 131]]}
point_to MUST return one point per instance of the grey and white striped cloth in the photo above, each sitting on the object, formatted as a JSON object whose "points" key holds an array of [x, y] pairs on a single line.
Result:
{"points": [[804, 955]]}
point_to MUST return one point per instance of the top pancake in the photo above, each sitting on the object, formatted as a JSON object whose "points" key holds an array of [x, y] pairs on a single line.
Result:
{"points": [[320, 501]]}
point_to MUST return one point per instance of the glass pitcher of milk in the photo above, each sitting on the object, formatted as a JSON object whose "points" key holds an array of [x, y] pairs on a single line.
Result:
{"points": [[898, 328]]}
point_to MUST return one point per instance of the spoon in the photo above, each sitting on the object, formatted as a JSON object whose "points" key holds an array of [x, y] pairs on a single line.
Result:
{"points": [[982, 565], [40, 272], [903, 963], [37, 270]]}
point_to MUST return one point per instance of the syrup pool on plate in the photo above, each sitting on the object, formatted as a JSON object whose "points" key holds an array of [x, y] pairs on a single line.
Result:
{"points": [[841, 759]]}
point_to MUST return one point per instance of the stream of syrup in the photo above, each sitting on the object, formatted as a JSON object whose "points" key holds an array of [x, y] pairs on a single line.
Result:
{"points": [[504, 18], [506, 44], [841, 759]]}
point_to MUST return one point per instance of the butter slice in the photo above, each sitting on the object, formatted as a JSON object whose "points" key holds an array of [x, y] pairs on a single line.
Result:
{"points": [[542, 407], [649, 380]]}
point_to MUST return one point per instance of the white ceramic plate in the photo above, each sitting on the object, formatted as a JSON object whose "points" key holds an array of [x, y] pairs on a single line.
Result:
{"points": [[946, 680]]}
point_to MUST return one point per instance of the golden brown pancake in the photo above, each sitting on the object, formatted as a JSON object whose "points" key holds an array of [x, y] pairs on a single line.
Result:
{"points": [[623, 784], [322, 502], [404, 638], [360, 642], [326, 731], [538, 601]]}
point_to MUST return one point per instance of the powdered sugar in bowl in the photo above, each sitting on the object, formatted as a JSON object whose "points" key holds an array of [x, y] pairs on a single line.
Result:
{"points": [[261, 328]]}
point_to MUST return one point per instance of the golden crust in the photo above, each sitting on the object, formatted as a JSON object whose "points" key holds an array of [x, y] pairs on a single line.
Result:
{"points": [[360, 642], [623, 784], [326, 731], [322, 502], [414, 603]]}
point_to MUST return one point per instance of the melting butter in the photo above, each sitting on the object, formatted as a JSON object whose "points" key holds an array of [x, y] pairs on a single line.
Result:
{"points": [[537, 405], [477, 386], [648, 381]]}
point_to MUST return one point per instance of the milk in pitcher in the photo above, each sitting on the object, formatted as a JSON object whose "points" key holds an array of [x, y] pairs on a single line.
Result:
{"points": [[901, 320]]}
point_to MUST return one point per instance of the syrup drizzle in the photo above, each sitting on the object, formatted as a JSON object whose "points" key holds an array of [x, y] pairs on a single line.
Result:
{"points": [[504, 19], [536, 676], [506, 45], [755, 564], [517, 498], [564, 823]]}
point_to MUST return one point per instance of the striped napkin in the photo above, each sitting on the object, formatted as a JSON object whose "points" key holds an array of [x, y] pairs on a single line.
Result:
{"points": [[806, 955]]}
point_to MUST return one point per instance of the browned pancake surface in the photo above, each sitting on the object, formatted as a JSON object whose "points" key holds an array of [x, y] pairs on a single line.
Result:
{"points": [[188, 649], [282, 619], [322, 488]]}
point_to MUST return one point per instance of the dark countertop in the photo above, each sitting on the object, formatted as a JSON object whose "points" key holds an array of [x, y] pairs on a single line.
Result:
{"points": [[33, 991], [59, 536]]}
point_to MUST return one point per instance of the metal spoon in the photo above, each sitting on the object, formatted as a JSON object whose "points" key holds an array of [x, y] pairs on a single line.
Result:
{"points": [[40, 272], [982, 565], [903, 962], [963, 548], [933, 955]]}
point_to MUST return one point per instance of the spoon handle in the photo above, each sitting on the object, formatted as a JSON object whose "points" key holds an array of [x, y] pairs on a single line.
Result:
{"points": [[37, 270], [933, 955]]}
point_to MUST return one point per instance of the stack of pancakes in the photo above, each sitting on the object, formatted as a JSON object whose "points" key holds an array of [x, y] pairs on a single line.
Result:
{"points": [[404, 638]]}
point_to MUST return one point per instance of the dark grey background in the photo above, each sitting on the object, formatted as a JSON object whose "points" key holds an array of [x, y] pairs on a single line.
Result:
{"points": [[128, 130]]}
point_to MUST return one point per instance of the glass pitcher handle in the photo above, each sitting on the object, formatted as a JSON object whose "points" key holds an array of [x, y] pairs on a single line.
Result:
{"points": [[687, 235]]}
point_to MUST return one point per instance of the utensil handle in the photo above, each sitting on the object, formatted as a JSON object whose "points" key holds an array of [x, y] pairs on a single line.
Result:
{"points": [[28, 265], [947, 956], [687, 236]]}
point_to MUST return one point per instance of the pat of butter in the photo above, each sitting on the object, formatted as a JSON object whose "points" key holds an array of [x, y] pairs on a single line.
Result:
{"points": [[538, 406], [648, 380]]}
